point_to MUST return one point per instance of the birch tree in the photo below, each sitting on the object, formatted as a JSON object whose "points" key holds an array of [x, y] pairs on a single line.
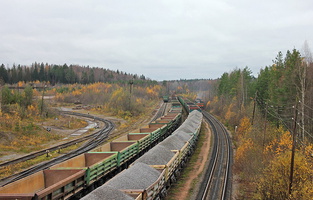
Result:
{"points": [[303, 83]]}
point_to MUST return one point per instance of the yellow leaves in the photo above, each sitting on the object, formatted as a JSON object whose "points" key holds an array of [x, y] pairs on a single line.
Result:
{"points": [[230, 114], [246, 145], [280, 145], [32, 111], [244, 126], [275, 181], [215, 99], [76, 92], [208, 104], [20, 84], [139, 101], [153, 91], [8, 121], [150, 91], [309, 151], [116, 95], [59, 97]]}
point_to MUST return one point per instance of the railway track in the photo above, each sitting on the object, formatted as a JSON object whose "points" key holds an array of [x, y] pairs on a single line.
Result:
{"points": [[92, 141], [44, 151], [217, 181], [161, 111]]}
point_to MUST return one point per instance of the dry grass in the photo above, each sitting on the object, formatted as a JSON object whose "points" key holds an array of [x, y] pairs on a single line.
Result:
{"points": [[15, 168]]}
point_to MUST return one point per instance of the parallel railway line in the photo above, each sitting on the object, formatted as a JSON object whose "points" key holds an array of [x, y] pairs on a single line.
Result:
{"points": [[161, 111], [93, 141], [44, 151], [217, 181]]}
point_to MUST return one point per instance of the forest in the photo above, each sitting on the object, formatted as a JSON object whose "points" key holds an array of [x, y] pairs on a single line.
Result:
{"points": [[270, 118], [62, 74]]}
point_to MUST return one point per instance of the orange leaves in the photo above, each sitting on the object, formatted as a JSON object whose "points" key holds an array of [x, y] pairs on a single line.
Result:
{"points": [[76, 93], [230, 115], [274, 183], [20, 83], [32, 111], [309, 152], [59, 97], [244, 127], [117, 98], [152, 91], [280, 145], [246, 145], [7, 121]]}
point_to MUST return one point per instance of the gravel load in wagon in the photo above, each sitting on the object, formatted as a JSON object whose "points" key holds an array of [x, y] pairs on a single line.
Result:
{"points": [[158, 155], [196, 115], [187, 128], [193, 120], [138, 176], [107, 192], [172, 143], [182, 135]]}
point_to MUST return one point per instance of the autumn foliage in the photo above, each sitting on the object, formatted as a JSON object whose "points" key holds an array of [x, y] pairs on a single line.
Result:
{"points": [[259, 113], [123, 100]]}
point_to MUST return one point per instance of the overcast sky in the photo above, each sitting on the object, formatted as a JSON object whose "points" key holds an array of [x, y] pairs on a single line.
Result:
{"points": [[162, 39]]}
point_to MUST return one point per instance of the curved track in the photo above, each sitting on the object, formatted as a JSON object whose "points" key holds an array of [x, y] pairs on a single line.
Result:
{"points": [[93, 141], [217, 181], [161, 111]]}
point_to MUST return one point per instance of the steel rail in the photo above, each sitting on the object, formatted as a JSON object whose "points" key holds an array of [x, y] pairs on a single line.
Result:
{"points": [[219, 164], [94, 140], [54, 148], [161, 111]]}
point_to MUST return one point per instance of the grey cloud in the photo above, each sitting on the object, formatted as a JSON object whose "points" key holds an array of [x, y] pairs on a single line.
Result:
{"points": [[160, 39]]}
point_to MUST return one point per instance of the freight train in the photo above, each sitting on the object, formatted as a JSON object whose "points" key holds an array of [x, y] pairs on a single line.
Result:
{"points": [[199, 103], [188, 105], [78, 176], [151, 175]]}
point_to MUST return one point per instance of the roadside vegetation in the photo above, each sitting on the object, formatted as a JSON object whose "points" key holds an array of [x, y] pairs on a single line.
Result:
{"points": [[27, 111], [263, 114]]}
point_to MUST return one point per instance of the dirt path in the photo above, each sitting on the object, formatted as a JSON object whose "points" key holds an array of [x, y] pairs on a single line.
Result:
{"points": [[198, 165]]}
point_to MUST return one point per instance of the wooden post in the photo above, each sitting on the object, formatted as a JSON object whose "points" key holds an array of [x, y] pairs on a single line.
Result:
{"points": [[294, 143]]}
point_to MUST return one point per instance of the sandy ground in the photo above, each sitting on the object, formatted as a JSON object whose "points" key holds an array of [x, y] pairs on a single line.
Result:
{"points": [[198, 167]]}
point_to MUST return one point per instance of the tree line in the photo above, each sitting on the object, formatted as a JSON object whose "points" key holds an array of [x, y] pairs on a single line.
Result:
{"points": [[264, 113], [62, 74], [277, 90]]}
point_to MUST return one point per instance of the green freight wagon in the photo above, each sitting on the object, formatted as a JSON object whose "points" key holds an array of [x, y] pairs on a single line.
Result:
{"points": [[96, 164]]}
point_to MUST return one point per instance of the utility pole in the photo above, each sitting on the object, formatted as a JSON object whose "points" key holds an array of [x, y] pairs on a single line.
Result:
{"points": [[43, 93], [131, 82], [294, 143]]}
